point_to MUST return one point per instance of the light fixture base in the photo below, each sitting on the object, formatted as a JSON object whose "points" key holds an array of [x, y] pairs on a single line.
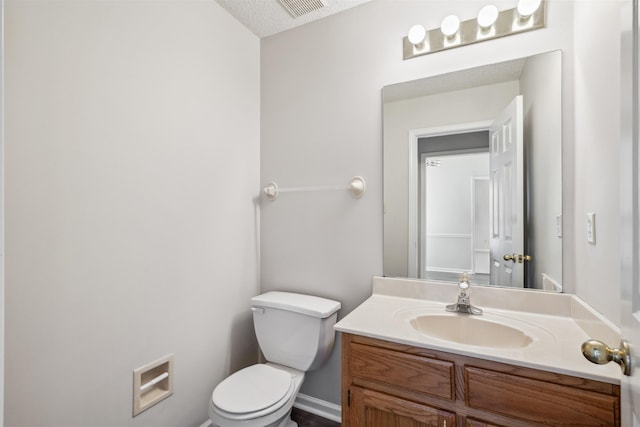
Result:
{"points": [[507, 23]]}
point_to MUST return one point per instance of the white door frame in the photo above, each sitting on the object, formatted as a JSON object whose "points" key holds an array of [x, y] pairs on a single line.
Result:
{"points": [[413, 249], [2, 215], [630, 209]]}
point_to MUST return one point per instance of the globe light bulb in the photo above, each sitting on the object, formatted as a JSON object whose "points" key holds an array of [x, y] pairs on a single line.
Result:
{"points": [[416, 35], [450, 25], [487, 16]]}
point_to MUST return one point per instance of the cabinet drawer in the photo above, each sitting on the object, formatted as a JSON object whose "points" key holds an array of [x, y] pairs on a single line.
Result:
{"points": [[538, 401], [409, 371]]}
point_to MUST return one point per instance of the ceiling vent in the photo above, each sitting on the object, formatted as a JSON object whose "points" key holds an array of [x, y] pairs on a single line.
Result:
{"points": [[298, 8]]}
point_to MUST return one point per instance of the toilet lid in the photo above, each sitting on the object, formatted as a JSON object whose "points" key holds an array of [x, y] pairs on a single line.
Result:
{"points": [[252, 389]]}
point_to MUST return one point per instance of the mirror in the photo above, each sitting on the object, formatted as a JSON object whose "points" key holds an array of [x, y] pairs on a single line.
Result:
{"points": [[473, 175]]}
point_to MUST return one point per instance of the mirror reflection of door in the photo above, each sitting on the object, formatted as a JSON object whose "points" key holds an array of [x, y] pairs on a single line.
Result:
{"points": [[472, 209], [507, 202]]}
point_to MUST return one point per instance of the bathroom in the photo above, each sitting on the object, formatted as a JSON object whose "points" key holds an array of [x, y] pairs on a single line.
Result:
{"points": [[138, 137]]}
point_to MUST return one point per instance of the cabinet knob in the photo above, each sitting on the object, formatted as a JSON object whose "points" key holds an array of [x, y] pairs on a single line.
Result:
{"points": [[598, 352]]}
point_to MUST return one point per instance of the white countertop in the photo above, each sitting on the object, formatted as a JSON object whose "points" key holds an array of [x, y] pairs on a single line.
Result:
{"points": [[559, 324]]}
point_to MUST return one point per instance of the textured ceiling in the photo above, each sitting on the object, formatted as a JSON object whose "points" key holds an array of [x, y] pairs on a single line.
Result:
{"points": [[268, 17]]}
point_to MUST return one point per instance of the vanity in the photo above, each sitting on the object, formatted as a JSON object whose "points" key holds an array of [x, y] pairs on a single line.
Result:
{"points": [[406, 361], [473, 184]]}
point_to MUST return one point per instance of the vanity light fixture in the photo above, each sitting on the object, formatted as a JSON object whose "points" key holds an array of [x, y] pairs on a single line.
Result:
{"points": [[489, 24]]}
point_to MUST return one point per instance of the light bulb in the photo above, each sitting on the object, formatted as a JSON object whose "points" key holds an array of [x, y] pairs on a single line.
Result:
{"points": [[416, 34], [487, 16], [526, 8], [450, 25]]}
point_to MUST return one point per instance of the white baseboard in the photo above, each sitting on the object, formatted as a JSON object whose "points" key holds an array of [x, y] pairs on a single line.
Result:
{"points": [[319, 407], [315, 406]]}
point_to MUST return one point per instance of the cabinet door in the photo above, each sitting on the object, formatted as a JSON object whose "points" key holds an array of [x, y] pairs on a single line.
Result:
{"points": [[373, 409]]}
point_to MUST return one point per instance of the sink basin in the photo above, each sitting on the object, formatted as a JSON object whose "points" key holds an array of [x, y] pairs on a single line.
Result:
{"points": [[470, 330]]}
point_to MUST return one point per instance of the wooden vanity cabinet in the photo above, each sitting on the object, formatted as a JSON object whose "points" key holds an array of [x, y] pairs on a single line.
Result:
{"points": [[386, 384]]}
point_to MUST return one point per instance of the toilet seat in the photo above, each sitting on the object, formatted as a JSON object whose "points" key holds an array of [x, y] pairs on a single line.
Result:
{"points": [[253, 392]]}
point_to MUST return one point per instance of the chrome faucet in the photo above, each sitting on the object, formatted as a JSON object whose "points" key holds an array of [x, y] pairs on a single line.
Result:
{"points": [[464, 302]]}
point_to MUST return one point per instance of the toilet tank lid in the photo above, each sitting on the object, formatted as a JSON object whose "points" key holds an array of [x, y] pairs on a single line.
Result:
{"points": [[299, 303]]}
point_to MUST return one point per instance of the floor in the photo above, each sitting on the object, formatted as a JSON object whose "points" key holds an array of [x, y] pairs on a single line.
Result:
{"points": [[305, 419]]}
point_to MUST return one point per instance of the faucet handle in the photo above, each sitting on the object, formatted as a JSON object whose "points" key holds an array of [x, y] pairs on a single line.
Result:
{"points": [[463, 282], [464, 304]]}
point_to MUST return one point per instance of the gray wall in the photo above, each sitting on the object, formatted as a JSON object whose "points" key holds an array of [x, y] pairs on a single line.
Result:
{"points": [[321, 124], [132, 160], [597, 136], [543, 130]]}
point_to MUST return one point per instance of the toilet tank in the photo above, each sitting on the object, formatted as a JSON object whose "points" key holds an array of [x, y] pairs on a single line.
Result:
{"points": [[294, 330]]}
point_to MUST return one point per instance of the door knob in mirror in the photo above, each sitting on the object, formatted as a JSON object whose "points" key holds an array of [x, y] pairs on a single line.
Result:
{"points": [[517, 258]]}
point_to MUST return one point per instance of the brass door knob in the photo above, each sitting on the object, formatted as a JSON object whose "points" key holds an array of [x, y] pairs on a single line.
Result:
{"points": [[598, 352], [519, 258]]}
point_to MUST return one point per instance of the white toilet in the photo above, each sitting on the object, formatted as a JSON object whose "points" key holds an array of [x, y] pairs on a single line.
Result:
{"points": [[295, 334]]}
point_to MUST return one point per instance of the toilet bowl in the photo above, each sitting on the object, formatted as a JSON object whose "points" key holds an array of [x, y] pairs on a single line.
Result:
{"points": [[258, 396], [295, 334]]}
